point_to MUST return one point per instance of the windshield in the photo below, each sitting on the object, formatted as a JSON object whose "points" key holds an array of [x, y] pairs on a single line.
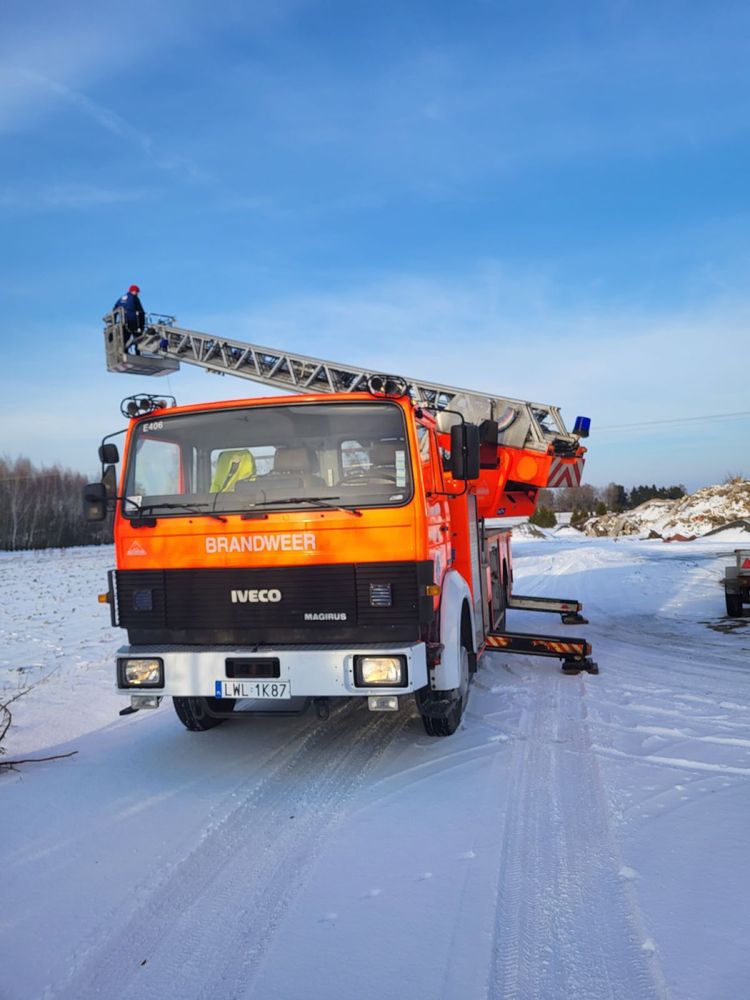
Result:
{"points": [[339, 454]]}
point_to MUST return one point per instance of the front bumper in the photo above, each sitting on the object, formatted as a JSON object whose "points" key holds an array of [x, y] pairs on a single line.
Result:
{"points": [[311, 671]]}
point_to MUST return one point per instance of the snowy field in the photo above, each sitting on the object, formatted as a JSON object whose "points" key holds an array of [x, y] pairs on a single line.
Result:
{"points": [[580, 837]]}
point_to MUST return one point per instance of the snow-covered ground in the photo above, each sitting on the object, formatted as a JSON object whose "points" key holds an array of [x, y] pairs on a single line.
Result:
{"points": [[580, 837]]}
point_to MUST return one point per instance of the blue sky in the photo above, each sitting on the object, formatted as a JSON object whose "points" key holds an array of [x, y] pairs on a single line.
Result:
{"points": [[543, 200]]}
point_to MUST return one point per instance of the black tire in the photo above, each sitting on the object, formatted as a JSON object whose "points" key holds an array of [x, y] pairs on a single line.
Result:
{"points": [[442, 711], [734, 604], [440, 727], [193, 713]]}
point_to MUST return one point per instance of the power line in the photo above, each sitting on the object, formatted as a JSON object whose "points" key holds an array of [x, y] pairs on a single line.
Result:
{"points": [[673, 420]]}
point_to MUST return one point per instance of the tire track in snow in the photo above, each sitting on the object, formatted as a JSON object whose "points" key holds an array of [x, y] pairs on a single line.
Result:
{"points": [[209, 920], [567, 924]]}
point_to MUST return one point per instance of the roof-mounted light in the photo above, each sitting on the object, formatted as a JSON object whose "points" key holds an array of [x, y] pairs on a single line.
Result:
{"points": [[387, 385], [582, 427], [138, 406]]}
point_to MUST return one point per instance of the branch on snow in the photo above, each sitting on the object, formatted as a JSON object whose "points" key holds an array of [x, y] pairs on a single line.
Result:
{"points": [[12, 765], [5, 715]]}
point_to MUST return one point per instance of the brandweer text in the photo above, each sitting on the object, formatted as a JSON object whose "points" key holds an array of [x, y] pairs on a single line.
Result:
{"points": [[295, 541]]}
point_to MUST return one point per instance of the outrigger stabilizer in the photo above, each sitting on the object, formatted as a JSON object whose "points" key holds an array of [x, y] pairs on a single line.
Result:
{"points": [[574, 653], [569, 611]]}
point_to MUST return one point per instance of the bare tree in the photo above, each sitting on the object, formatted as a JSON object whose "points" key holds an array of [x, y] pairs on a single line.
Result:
{"points": [[41, 508]]}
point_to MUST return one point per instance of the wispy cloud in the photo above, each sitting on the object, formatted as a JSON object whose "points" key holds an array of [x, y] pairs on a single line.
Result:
{"points": [[132, 137], [57, 58], [104, 117], [507, 333], [67, 196], [493, 330], [457, 110]]}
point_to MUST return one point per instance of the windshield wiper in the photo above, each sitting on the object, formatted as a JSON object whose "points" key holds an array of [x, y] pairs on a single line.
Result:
{"points": [[317, 501], [188, 508]]}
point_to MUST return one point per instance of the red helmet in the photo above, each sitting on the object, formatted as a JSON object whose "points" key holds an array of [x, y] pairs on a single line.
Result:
{"points": [[135, 289]]}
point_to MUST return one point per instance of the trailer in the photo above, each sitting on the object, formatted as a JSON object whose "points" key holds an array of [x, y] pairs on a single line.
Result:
{"points": [[279, 552], [737, 583]]}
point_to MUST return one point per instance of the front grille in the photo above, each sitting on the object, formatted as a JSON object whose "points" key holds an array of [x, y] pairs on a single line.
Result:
{"points": [[280, 604]]}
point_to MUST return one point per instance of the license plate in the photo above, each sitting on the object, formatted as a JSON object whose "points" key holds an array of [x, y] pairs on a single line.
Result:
{"points": [[273, 690]]}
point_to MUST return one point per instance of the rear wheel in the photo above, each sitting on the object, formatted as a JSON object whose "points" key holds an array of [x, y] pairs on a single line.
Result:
{"points": [[734, 604], [442, 711], [193, 713]]}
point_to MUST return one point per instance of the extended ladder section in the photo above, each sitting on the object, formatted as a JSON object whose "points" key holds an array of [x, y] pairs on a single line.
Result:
{"points": [[163, 345]]}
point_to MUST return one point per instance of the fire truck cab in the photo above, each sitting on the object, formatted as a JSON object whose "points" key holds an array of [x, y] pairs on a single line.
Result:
{"points": [[297, 548]]}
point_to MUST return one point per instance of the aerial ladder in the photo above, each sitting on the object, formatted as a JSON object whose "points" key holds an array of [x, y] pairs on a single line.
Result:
{"points": [[554, 455], [526, 445]]}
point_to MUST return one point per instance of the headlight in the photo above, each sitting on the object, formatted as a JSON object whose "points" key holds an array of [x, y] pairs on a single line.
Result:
{"points": [[380, 671], [145, 673]]}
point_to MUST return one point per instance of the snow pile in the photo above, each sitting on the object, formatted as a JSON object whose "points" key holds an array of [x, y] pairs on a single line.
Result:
{"points": [[710, 510], [566, 531], [529, 530]]}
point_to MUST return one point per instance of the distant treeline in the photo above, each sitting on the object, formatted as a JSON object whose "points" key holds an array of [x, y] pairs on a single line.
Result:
{"points": [[41, 508], [604, 499], [584, 501]]}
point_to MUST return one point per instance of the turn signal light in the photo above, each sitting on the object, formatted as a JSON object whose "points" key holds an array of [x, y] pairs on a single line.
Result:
{"points": [[432, 589], [103, 598]]}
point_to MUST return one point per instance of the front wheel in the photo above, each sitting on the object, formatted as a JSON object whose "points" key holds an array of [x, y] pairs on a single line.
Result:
{"points": [[442, 711], [193, 713]]}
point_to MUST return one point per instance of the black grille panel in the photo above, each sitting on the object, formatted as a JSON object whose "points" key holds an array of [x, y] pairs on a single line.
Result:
{"points": [[279, 604], [204, 598], [403, 580], [130, 587]]}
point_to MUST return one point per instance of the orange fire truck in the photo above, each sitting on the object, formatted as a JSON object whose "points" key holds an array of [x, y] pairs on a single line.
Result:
{"points": [[280, 551]]}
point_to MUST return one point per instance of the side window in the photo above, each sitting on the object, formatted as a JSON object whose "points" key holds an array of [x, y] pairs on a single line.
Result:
{"points": [[355, 458], [425, 456], [157, 468], [264, 459]]}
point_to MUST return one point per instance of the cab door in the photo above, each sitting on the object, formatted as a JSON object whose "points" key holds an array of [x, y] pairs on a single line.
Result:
{"points": [[436, 504]]}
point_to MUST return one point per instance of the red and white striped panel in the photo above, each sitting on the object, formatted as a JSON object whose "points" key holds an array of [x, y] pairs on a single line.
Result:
{"points": [[565, 472]]}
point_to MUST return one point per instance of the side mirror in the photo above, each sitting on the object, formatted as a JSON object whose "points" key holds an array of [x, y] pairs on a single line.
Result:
{"points": [[488, 437], [108, 454], [464, 460], [95, 502], [109, 481]]}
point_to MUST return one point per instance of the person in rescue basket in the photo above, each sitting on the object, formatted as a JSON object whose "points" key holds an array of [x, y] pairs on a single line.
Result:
{"points": [[135, 317]]}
